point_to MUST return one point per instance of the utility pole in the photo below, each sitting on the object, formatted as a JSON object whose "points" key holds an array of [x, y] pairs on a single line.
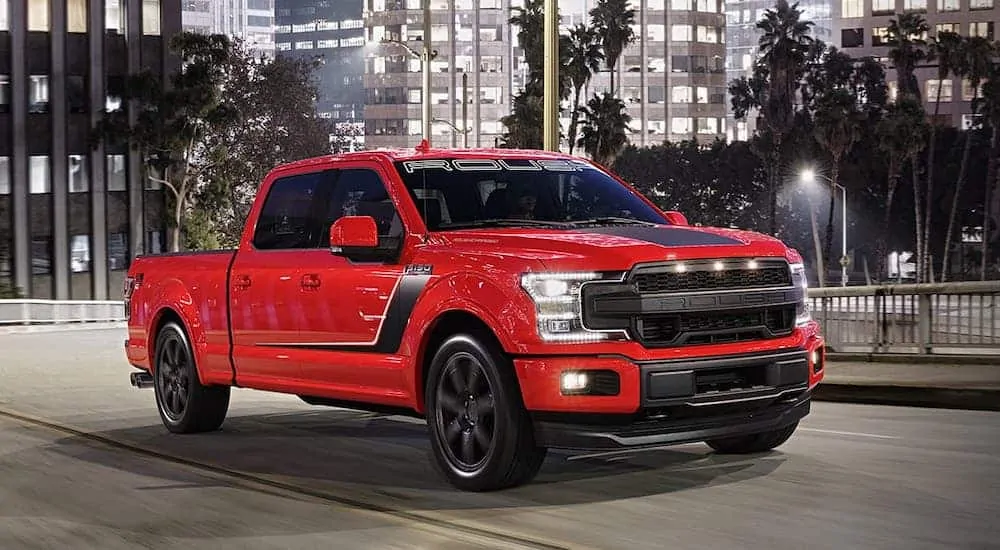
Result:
{"points": [[426, 57], [550, 78], [465, 110]]}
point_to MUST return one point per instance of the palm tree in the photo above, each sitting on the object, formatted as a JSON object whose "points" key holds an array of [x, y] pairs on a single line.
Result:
{"points": [[988, 106], [605, 128], [974, 64], [613, 20], [946, 49], [908, 48], [784, 46], [837, 127], [901, 136], [530, 22], [584, 59]]}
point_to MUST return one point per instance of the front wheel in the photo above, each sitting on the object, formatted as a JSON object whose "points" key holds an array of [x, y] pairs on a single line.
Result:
{"points": [[481, 435], [754, 443], [185, 405]]}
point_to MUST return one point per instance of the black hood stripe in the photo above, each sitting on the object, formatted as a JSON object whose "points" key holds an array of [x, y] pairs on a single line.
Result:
{"points": [[665, 236]]}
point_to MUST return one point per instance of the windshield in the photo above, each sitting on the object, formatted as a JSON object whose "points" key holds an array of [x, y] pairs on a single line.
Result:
{"points": [[463, 193]]}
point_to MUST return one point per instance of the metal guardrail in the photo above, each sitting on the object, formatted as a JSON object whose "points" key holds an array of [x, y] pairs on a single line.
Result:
{"points": [[934, 318], [49, 312], [943, 318]]}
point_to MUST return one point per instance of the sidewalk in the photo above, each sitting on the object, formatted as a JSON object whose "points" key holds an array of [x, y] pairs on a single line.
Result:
{"points": [[943, 385]]}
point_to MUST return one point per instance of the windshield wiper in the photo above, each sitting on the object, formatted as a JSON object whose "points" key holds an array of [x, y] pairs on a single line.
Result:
{"points": [[502, 222], [610, 220]]}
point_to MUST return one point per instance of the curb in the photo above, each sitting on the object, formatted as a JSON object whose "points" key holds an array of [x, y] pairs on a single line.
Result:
{"points": [[909, 396], [61, 327], [912, 358]]}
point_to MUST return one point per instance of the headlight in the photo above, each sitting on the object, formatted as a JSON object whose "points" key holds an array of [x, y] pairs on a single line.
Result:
{"points": [[802, 313], [558, 305]]}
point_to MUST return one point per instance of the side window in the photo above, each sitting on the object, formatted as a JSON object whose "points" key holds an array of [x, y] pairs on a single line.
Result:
{"points": [[361, 192], [287, 219]]}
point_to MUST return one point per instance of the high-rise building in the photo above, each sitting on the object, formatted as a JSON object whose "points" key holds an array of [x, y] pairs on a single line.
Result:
{"points": [[72, 216], [742, 39], [250, 20], [332, 30], [862, 27], [672, 78]]}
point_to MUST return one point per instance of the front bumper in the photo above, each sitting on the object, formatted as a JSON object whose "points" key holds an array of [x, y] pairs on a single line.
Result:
{"points": [[656, 431], [670, 401]]}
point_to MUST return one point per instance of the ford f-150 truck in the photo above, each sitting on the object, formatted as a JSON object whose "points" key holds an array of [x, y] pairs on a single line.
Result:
{"points": [[516, 300]]}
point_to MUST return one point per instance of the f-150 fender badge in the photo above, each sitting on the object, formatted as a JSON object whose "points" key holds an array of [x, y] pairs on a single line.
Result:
{"points": [[419, 269]]}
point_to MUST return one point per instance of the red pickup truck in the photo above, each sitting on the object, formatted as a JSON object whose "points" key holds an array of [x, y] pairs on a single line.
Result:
{"points": [[516, 300]]}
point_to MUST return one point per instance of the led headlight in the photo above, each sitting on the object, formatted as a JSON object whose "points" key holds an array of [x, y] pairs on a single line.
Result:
{"points": [[558, 305], [802, 313]]}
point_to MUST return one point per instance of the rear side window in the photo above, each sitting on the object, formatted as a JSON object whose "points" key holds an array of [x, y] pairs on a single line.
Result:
{"points": [[288, 218]]}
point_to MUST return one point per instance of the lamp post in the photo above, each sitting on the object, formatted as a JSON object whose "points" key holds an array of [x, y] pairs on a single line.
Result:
{"points": [[425, 55], [809, 178], [550, 77]]}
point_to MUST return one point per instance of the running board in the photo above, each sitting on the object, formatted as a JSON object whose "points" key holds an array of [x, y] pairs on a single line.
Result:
{"points": [[141, 380]]}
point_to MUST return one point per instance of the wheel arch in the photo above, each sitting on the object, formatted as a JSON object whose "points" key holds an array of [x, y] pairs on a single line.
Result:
{"points": [[446, 324], [163, 316]]}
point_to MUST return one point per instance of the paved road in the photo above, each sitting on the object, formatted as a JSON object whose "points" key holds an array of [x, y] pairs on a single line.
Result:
{"points": [[854, 476]]}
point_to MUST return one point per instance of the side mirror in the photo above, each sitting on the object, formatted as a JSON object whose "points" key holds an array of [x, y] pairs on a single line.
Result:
{"points": [[676, 218], [353, 233]]}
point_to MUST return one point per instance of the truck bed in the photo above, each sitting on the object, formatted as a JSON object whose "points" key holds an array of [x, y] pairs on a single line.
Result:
{"points": [[196, 285]]}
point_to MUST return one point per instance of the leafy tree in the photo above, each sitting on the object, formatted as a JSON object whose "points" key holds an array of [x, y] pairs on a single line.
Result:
{"points": [[605, 128], [585, 57], [274, 122], [523, 127], [173, 122], [613, 20], [988, 106]]}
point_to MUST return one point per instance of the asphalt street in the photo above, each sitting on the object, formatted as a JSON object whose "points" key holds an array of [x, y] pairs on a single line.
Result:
{"points": [[85, 463]]}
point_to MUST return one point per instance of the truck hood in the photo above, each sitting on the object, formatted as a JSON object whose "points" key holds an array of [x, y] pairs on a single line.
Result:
{"points": [[615, 247]]}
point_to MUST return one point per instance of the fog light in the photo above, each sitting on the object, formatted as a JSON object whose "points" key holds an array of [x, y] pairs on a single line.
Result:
{"points": [[817, 360], [573, 382]]}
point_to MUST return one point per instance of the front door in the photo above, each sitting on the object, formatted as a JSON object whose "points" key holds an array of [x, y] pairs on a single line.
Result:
{"points": [[350, 324], [265, 283]]}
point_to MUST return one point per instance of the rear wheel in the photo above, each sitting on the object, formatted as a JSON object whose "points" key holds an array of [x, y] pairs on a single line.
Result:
{"points": [[481, 434], [754, 443], [185, 405]]}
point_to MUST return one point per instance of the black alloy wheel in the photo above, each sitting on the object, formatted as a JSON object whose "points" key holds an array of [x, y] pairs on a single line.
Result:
{"points": [[482, 437], [466, 413], [184, 403]]}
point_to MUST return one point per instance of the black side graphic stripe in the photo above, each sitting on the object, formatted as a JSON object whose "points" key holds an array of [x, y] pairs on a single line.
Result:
{"points": [[665, 236]]}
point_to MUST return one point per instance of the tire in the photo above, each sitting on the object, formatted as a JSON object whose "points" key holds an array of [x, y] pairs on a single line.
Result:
{"points": [[754, 443], [494, 425], [184, 404]]}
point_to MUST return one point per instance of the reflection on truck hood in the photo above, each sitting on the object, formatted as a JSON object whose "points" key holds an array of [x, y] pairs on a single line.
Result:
{"points": [[618, 247]]}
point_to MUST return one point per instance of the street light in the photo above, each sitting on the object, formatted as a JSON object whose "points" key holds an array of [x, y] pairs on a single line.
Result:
{"points": [[809, 178], [425, 56]]}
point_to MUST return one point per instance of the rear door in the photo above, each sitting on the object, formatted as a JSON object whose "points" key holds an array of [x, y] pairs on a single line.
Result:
{"points": [[267, 312], [352, 322]]}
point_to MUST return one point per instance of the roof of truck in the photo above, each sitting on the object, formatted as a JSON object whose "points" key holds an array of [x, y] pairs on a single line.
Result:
{"points": [[424, 151]]}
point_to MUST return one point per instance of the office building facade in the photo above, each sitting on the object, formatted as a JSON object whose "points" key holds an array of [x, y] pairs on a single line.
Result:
{"points": [[862, 27], [672, 79], [332, 30], [72, 217], [250, 20]]}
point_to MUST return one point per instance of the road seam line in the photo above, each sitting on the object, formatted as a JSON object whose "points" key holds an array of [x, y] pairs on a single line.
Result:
{"points": [[434, 525]]}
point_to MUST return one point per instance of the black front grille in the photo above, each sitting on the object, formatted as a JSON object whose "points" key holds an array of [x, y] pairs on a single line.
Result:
{"points": [[711, 327], [774, 274]]}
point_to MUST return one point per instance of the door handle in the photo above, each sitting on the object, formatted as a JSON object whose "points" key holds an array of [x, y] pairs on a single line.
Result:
{"points": [[310, 281], [242, 282]]}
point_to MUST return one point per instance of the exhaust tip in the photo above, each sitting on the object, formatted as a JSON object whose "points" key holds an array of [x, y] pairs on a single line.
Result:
{"points": [[141, 380]]}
